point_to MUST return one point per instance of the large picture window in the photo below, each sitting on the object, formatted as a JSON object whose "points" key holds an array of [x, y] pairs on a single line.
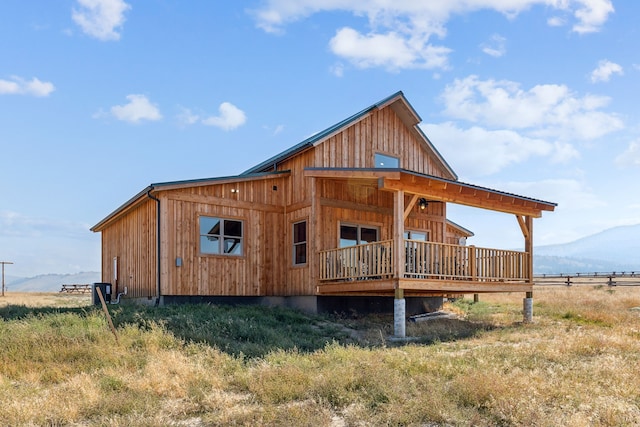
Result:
{"points": [[220, 236], [300, 243]]}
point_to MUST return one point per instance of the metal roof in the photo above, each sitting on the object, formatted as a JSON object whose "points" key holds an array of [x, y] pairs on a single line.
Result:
{"points": [[177, 184]]}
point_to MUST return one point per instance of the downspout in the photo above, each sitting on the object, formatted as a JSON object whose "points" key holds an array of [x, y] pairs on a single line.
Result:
{"points": [[158, 241]]}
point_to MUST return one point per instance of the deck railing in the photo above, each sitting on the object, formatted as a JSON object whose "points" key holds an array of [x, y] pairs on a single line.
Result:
{"points": [[424, 260], [361, 262]]}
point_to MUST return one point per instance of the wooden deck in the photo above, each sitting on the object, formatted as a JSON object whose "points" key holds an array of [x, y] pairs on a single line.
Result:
{"points": [[429, 268]]}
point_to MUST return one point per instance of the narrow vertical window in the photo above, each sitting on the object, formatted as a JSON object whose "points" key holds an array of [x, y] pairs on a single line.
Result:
{"points": [[300, 243]]}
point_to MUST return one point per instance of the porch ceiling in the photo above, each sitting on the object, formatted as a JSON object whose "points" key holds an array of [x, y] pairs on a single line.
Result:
{"points": [[440, 189]]}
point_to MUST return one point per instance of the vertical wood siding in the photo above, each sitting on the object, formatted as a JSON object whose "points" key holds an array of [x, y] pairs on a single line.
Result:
{"points": [[258, 271], [132, 239]]}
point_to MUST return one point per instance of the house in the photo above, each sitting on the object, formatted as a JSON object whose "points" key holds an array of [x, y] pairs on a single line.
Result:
{"points": [[354, 215]]}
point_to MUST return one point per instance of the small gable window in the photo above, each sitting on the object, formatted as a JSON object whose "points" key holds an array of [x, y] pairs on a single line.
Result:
{"points": [[385, 161], [220, 236]]}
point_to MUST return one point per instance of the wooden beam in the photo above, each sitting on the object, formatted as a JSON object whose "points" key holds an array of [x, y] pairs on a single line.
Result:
{"points": [[352, 174], [437, 191], [523, 227], [462, 286], [410, 205]]}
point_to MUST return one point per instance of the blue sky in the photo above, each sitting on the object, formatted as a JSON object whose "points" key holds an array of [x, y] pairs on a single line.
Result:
{"points": [[99, 98]]}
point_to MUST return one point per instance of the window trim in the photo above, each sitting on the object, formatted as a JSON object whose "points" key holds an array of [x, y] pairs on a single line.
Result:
{"points": [[221, 237], [295, 244]]}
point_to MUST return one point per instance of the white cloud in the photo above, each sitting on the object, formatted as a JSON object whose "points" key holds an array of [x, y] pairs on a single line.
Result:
{"points": [[230, 117], [605, 70], [556, 21], [570, 194], [19, 86], [631, 156], [139, 108], [337, 69], [392, 50], [591, 15], [400, 31], [481, 152], [186, 117], [495, 47], [101, 19], [543, 110]]}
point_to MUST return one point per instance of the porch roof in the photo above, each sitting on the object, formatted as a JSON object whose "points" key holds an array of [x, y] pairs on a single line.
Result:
{"points": [[439, 189]]}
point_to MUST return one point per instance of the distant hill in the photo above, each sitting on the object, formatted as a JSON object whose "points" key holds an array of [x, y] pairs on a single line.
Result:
{"points": [[615, 249], [49, 282]]}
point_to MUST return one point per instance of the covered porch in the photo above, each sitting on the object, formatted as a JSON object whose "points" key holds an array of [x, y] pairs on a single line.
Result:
{"points": [[401, 266]]}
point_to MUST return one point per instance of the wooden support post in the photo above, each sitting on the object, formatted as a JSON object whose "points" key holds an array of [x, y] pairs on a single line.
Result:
{"points": [[476, 298], [398, 235], [472, 263]]}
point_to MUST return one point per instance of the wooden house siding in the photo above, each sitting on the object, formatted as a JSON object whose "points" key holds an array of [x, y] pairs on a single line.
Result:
{"points": [[381, 131], [132, 239], [258, 271]]}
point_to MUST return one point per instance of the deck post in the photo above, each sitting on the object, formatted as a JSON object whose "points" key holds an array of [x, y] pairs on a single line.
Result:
{"points": [[399, 315]]}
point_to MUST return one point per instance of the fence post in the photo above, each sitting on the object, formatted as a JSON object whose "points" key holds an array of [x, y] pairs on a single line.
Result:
{"points": [[568, 280]]}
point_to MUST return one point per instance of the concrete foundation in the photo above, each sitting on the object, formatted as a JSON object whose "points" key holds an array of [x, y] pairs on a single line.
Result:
{"points": [[399, 318], [356, 305]]}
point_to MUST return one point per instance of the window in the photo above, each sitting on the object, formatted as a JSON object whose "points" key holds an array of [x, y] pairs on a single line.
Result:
{"points": [[351, 235], [300, 243], [384, 161], [220, 236], [423, 236]]}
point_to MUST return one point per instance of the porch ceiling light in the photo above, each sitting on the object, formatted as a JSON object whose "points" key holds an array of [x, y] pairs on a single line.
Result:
{"points": [[423, 203]]}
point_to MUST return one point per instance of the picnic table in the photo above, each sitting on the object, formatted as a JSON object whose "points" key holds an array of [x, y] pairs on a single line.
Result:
{"points": [[76, 288]]}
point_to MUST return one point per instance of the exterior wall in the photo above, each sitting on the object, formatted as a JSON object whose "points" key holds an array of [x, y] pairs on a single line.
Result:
{"points": [[380, 132], [259, 271], [454, 235], [132, 240], [355, 147], [371, 207]]}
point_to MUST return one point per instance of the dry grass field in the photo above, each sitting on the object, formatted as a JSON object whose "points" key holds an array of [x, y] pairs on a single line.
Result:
{"points": [[578, 364]]}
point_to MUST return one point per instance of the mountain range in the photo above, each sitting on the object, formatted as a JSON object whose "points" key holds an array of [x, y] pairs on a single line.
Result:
{"points": [[614, 249], [49, 282]]}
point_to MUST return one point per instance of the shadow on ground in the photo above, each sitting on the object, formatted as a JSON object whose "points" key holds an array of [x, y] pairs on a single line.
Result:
{"points": [[254, 331]]}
